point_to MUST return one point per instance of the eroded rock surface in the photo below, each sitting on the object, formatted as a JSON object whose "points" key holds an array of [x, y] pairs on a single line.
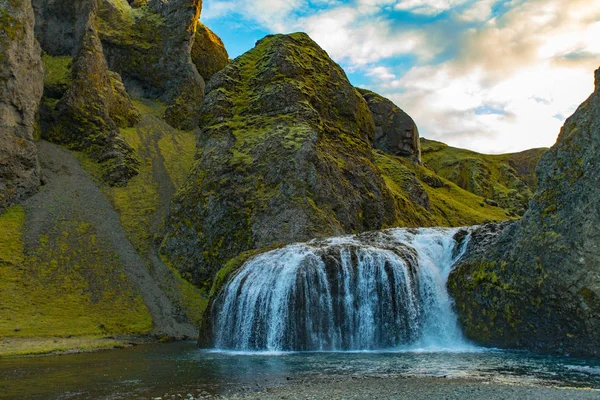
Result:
{"points": [[537, 284], [21, 86], [395, 131], [284, 155], [208, 53]]}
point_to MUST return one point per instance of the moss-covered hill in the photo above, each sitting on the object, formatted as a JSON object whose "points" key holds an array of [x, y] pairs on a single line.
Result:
{"points": [[507, 180], [286, 154]]}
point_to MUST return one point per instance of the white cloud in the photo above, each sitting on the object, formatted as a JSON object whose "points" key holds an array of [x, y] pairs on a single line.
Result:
{"points": [[504, 79]]}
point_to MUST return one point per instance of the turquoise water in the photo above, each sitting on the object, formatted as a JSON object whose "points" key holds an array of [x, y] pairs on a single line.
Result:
{"points": [[181, 368]]}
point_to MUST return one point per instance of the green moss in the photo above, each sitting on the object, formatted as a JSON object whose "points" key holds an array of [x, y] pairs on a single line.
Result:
{"points": [[449, 205], [508, 179], [67, 284], [57, 72], [140, 202]]}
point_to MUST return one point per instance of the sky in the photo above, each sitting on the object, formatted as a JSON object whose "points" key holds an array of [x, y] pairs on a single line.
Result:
{"points": [[493, 76]]}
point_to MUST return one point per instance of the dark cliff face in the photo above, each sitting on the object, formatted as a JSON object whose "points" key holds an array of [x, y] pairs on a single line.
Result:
{"points": [[107, 50], [21, 85], [284, 155], [395, 131], [537, 284]]}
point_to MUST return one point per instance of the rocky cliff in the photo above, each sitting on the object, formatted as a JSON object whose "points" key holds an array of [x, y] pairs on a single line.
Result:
{"points": [[535, 284], [21, 83], [286, 154], [395, 131], [109, 50]]}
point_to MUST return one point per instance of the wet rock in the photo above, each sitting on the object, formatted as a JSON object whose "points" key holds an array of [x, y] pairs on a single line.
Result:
{"points": [[535, 283]]}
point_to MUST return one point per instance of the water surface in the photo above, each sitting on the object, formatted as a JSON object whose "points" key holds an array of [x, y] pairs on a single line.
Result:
{"points": [[181, 368]]}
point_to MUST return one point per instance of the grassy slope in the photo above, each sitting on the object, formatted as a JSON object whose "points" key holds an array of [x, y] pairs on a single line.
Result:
{"points": [[166, 157], [508, 179], [449, 205], [68, 285]]}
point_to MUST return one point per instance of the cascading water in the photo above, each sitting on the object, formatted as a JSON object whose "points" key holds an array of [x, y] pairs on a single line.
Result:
{"points": [[380, 290]]}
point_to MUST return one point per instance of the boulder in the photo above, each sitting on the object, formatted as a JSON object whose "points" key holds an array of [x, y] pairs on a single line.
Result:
{"points": [[208, 52], [395, 131], [21, 86], [536, 283], [284, 155]]}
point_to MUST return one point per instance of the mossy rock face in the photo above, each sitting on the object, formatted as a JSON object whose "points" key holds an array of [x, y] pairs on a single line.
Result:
{"points": [[284, 155], [537, 284], [395, 131], [147, 43], [208, 52], [150, 46], [21, 84], [506, 179], [90, 113]]}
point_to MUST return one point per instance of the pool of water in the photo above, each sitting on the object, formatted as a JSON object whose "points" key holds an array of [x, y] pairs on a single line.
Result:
{"points": [[181, 368]]}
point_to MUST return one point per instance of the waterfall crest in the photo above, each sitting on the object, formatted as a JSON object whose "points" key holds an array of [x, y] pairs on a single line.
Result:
{"points": [[379, 290]]}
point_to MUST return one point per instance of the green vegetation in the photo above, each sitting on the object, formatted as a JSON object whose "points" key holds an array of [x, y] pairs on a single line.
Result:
{"points": [[68, 284], [10, 347], [507, 180], [57, 75], [166, 156], [446, 205]]}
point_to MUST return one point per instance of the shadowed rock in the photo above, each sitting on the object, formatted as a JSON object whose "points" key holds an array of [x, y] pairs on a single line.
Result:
{"points": [[536, 284], [395, 131], [21, 86]]}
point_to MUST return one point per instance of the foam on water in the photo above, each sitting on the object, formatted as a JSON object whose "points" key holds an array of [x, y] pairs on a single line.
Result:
{"points": [[382, 291]]}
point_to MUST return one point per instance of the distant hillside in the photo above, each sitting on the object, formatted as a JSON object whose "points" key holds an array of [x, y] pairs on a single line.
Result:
{"points": [[507, 180]]}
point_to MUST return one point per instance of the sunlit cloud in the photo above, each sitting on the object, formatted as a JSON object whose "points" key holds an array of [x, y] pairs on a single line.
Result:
{"points": [[489, 75]]}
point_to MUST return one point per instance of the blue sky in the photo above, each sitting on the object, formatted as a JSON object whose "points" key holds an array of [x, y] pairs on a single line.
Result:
{"points": [[489, 75]]}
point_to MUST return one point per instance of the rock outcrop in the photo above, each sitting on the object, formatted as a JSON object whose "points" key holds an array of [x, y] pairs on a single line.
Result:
{"points": [[537, 284], [21, 85], [90, 113], [284, 155], [395, 131], [150, 47], [117, 49], [208, 53]]}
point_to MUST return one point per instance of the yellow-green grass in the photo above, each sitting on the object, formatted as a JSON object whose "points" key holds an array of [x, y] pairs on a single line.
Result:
{"points": [[68, 284], [449, 205], [57, 70], [11, 347], [508, 179], [159, 147]]}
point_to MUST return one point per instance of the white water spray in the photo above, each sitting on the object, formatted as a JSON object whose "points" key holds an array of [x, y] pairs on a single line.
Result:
{"points": [[381, 290]]}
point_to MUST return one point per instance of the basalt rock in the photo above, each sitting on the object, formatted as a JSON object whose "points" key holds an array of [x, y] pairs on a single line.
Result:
{"points": [[536, 283], [89, 115], [148, 43], [284, 155], [395, 131], [208, 53], [21, 86], [150, 47]]}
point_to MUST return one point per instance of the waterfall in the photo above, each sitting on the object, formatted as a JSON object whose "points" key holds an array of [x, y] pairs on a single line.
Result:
{"points": [[379, 290]]}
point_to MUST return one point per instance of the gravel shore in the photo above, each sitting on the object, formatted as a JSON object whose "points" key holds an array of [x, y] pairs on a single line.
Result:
{"points": [[388, 388]]}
